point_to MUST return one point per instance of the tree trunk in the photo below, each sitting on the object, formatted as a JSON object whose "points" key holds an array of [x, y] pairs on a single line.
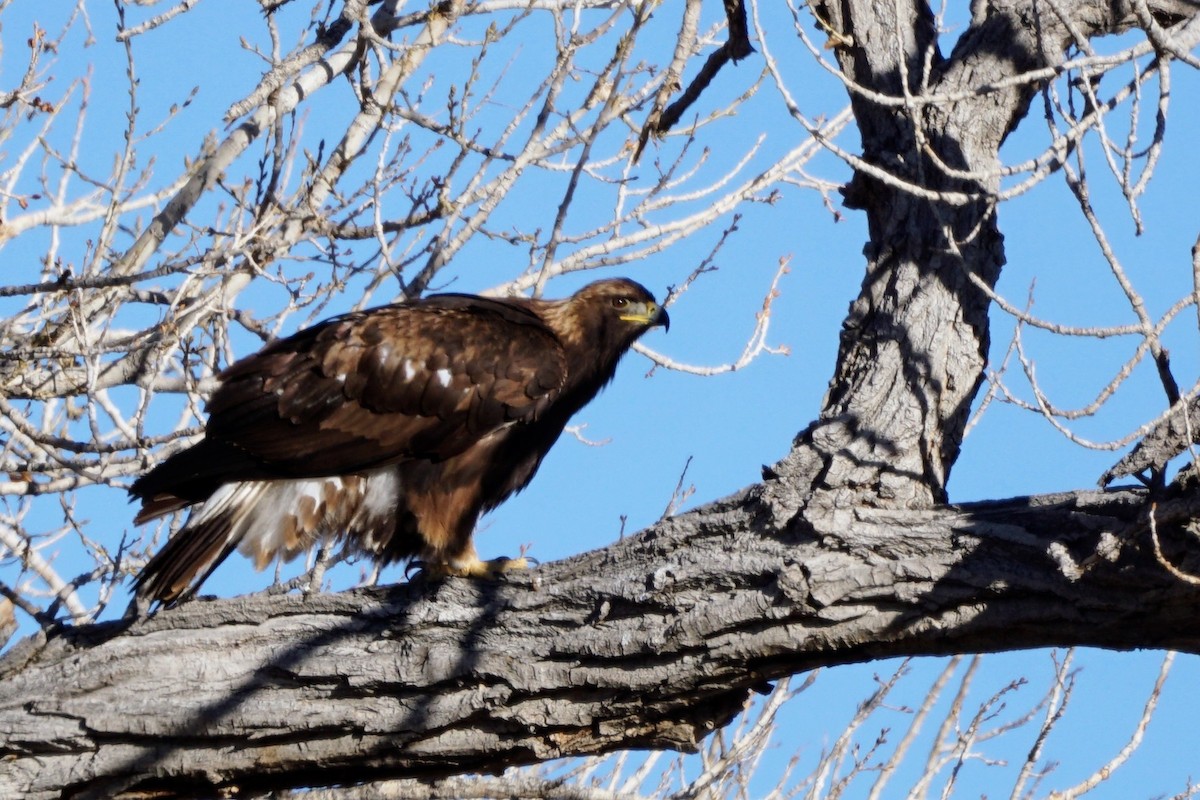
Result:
{"points": [[915, 343], [652, 642]]}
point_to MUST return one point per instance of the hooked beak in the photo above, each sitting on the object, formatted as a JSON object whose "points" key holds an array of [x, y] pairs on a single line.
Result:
{"points": [[649, 314]]}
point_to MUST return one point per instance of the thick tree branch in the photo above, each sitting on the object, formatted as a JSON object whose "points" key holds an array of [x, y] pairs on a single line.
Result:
{"points": [[652, 642]]}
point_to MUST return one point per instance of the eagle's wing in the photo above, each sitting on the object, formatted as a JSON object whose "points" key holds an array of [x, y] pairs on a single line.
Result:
{"points": [[420, 380]]}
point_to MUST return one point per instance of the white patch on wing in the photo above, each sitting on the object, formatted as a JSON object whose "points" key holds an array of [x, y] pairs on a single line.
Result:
{"points": [[409, 370], [443, 376]]}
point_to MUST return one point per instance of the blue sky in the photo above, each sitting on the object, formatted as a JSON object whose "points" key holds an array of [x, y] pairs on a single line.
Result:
{"points": [[727, 426]]}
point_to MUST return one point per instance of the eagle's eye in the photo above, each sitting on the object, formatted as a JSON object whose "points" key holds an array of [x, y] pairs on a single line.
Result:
{"points": [[620, 302]]}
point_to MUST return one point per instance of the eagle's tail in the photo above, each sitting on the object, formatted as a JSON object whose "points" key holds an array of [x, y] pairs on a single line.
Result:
{"points": [[270, 519], [190, 556], [190, 476], [200, 476]]}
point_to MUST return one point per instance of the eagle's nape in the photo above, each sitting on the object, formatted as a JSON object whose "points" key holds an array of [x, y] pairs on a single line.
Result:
{"points": [[389, 430]]}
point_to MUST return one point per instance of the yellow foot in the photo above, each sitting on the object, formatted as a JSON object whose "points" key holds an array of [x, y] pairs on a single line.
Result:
{"points": [[473, 568]]}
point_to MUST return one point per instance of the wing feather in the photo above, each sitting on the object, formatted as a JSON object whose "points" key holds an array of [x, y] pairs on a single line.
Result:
{"points": [[416, 380]]}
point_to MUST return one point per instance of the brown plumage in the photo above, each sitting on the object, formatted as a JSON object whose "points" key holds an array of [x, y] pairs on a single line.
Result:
{"points": [[392, 429]]}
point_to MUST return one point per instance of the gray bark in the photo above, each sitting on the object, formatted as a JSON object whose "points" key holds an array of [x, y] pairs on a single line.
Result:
{"points": [[841, 555], [1175, 434], [915, 342], [652, 642]]}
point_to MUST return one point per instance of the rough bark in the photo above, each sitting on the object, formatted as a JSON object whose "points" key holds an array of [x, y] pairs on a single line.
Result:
{"points": [[915, 343], [1179, 431], [652, 642]]}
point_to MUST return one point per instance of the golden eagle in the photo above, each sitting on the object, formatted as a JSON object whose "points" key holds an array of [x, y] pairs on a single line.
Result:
{"points": [[392, 429]]}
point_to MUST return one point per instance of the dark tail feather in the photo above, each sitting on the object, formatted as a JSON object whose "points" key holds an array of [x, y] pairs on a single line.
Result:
{"points": [[193, 476], [159, 505], [185, 561]]}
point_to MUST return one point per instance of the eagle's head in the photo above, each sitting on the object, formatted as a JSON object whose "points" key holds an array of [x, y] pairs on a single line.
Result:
{"points": [[618, 309], [598, 324]]}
